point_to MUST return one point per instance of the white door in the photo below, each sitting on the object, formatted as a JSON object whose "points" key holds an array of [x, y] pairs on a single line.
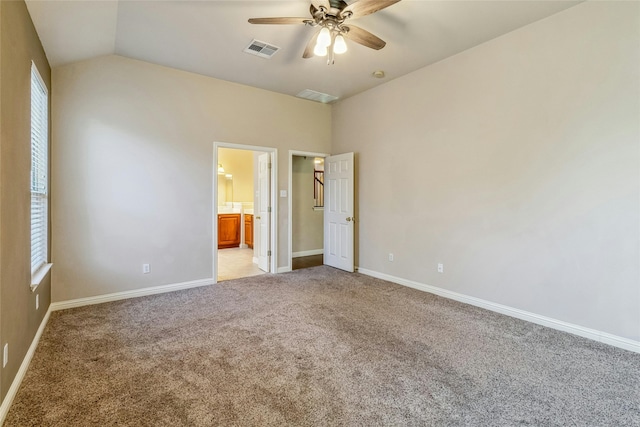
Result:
{"points": [[263, 219], [338, 211]]}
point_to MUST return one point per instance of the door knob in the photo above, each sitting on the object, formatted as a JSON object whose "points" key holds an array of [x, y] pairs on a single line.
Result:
{"points": [[257, 217], [351, 219]]}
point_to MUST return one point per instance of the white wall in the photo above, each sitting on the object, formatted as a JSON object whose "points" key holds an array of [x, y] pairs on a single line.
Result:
{"points": [[132, 165], [306, 223], [516, 165]]}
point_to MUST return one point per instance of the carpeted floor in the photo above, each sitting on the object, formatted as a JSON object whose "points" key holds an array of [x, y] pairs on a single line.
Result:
{"points": [[317, 347]]}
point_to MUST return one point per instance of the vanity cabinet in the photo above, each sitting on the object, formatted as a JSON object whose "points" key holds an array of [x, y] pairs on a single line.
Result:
{"points": [[228, 230], [248, 230]]}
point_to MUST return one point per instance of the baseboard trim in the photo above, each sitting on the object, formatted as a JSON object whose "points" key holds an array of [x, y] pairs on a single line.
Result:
{"points": [[17, 380], [80, 302], [560, 325], [284, 269], [307, 253]]}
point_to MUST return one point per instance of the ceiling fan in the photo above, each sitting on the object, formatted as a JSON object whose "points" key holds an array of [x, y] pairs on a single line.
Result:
{"points": [[331, 17]]}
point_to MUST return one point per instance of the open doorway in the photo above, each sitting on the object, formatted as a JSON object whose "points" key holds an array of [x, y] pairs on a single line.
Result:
{"points": [[244, 224], [306, 205]]}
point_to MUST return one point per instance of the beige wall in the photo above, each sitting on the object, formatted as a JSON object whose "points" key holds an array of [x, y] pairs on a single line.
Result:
{"points": [[238, 163], [132, 169], [306, 223], [516, 165], [19, 320]]}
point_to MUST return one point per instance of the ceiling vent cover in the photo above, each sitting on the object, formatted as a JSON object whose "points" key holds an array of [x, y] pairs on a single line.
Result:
{"points": [[261, 49], [316, 96]]}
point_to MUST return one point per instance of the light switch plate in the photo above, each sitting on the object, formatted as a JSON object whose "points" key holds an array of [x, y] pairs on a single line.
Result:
{"points": [[283, 193]]}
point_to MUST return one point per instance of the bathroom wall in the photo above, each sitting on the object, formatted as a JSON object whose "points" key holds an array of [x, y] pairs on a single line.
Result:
{"points": [[238, 163]]}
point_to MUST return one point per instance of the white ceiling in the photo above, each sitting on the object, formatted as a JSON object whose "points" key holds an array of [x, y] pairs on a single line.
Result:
{"points": [[208, 37]]}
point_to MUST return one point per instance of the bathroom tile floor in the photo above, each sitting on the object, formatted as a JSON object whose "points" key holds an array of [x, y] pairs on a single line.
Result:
{"points": [[235, 263]]}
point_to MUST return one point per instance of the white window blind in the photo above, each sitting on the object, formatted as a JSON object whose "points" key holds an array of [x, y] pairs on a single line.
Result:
{"points": [[39, 170]]}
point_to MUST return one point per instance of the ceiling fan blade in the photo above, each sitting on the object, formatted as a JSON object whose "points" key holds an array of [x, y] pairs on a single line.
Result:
{"points": [[364, 37], [308, 51], [278, 21], [367, 7]]}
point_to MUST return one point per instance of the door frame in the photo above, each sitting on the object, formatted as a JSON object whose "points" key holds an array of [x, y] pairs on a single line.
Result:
{"points": [[290, 184], [274, 205]]}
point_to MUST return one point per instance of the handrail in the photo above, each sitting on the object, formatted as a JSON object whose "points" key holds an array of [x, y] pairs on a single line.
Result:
{"points": [[318, 188]]}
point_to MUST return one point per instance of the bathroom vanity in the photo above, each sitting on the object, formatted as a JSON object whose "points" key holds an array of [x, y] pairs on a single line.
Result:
{"points": [[229, 230], [248, 230]]}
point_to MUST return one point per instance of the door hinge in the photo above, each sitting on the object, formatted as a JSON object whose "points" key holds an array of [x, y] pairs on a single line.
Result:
{"points": [[269, 209], [269, 165], [268, 253]]}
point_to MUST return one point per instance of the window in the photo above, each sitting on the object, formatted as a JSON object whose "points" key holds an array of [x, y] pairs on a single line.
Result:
{"points": [[39, 172]]}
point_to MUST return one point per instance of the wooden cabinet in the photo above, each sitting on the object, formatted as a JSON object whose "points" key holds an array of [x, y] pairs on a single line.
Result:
{"points": [[228, 231], [248, 230]]}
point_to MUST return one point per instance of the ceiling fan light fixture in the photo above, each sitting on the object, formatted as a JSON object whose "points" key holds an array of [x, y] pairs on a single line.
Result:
{"points": [[339, 45], [320, 50], [330, 18], [324, 38]]}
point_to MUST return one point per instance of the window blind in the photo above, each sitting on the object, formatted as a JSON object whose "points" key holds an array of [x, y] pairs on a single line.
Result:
{"points": [[39, 170]]}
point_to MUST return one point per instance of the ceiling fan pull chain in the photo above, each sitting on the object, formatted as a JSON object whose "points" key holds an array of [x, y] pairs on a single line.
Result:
{"points": [[331, 58]]}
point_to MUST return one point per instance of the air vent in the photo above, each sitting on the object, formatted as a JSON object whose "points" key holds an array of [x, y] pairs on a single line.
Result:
{"points": [[261, 49], [312, 95]]}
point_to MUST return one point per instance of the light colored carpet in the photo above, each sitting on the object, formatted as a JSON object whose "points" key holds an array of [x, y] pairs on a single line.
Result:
{"points": [[317, 347]]}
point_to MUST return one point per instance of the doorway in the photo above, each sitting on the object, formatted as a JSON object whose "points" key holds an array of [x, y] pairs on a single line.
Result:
{"points": [[244, 217], [306, 207]]}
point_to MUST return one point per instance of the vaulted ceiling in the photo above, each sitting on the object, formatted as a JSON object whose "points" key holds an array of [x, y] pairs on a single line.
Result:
{"points": [[208, 37]]}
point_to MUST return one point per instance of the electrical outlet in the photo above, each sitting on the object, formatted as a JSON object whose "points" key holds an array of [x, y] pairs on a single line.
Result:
{"points": [[146, 268], [37, 301], [440, 268], [390, 257], [5, 355]]}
